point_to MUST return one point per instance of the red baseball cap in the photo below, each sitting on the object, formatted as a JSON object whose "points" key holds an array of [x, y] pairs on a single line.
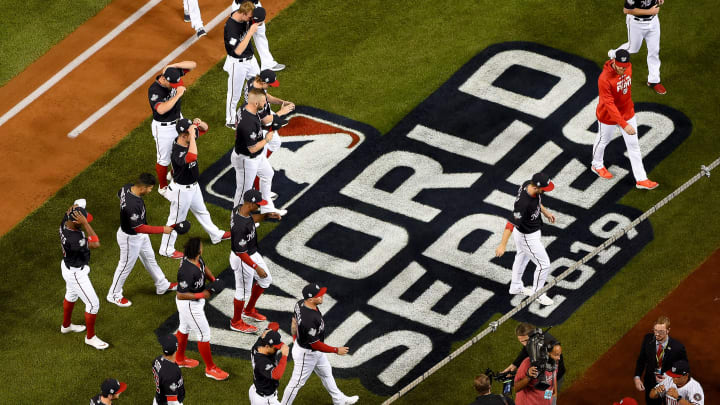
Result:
{"points": [[626, 401]]}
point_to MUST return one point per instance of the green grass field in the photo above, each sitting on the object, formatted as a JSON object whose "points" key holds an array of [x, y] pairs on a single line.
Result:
{"points": [[371, 61]]}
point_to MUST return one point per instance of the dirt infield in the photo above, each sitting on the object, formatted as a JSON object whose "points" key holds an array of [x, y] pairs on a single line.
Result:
{"points": [[36, 138], [694, 309]]}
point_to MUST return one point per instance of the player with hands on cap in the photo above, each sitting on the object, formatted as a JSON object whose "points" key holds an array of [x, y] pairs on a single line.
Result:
{"points": [[261, 42], [309, 350], [76, 246], [110, 389], [267, 369], [169, 384]]}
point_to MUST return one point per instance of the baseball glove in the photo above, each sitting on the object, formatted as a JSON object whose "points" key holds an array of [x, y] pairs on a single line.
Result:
{"points": [[216, 286], [182, 227]]}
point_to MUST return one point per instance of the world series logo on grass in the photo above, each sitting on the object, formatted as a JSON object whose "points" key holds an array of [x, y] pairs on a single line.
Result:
{"points": [[402, 227]]}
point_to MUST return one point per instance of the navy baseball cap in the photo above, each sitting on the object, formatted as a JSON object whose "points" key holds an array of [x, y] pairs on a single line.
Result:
{"points": [[112, 386], [183, 125], [254, 196], [679, 369], [269, 77], [542, 181], [258, 15], [169, 344], [272, 338], [174, 76], [313, 290], [622, 58]]}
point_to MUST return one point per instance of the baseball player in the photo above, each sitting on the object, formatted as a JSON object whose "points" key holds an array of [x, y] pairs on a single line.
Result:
{"points": [[267, 369], [192, 15], [616, 109], [169, 385], [643, 23], [308, 352], [240, 63], [134, 241], [191, 296], [248, 157], [261, 42], [184, 192], [524, 225], [110, 389], [246, 262], [76, 246], [165, 96], [678, 388]]}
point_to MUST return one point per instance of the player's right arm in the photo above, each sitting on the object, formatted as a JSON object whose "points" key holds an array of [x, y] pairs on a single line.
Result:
{"points": [[294, 328], [165, 106], [259, 145], [240, 48], [186, 65], [92, 237]]}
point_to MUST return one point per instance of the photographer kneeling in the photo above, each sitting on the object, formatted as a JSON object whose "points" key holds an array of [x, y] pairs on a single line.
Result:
{"points": [[483, 386], [537, 384]]}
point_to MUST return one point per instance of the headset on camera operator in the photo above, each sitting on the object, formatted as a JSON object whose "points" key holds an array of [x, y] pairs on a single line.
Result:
{"points": [[483, 385], [522, 331], [536, 378]]}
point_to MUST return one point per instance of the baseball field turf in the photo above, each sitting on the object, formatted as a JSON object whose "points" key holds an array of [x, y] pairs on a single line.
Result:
{"points": [[373, 62]]}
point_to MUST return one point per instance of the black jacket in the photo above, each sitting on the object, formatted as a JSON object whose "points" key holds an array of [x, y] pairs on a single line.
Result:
{"points": [[647, 362]]}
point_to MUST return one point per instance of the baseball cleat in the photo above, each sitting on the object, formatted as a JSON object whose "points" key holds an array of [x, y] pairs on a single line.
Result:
{"points": [[527, 291], [278, 67], [545, 300], [257, 224], [602, 172], [121, 302], [242, 327], [646, 184], [254, 315], [96, 342], [516, 291], [187, 363], [231, 126], [186, 17], [173, 287], [611, 54], [273, 195], [226, 235], [351, 400], [658, 87], [216, 374], [278, 211], [175, 255], [201, 33], [72, 328]]}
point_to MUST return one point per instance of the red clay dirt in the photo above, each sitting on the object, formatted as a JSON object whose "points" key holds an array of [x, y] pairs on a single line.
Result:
{"points": [[35, 140], [694, 311]]}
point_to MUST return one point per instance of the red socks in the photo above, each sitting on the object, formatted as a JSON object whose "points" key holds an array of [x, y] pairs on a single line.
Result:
{"points": [[237, 315], [256, 183], [204, 349], [67, 312], [256, 292], [182, 344], [162, 174], [90, 324]]}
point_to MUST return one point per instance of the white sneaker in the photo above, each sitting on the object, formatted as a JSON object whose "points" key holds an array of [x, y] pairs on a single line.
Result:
{"points": [[72, 328], [279, 211], [527, 291], [545, 300], [96, 342], [351, 400], [121, 302], [273, 195], [611, 54], [517, 291], [278, 67]]}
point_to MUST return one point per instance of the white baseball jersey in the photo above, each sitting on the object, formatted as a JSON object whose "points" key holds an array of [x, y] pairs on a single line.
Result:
{"points": [[691, 392]]}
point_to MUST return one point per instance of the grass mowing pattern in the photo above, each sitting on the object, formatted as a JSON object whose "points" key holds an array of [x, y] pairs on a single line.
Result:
{"points": [[372, 61]]}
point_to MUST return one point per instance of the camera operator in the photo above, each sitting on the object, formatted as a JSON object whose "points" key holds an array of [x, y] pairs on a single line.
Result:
{"points": [[483, 385], [522, 331], [527, 380]]}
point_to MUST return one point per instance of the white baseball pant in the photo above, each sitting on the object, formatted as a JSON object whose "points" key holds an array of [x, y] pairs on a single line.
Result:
{"points": [[529, 248], [246, 168], [164, 134], [132, 247], [603, 138], [261, 42], [192, 318], [238, 71], [274, 143], [193, 10], [183, 199], [245, 274], [650, 32], [306, 361], [257, 399], [78, 285]]}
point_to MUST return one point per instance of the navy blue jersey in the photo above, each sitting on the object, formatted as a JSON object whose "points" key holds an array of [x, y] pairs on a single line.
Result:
{"points": [[263, 366], [310, 325], [526, 212], [191, 278], [248, 133], [158, 94], [183, 172], [132, 210], [76, 252], [169, 383], [234, 33], [242, 233]]}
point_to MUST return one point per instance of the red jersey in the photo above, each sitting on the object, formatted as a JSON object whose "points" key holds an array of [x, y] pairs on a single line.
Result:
{"points": [[615, 106]]}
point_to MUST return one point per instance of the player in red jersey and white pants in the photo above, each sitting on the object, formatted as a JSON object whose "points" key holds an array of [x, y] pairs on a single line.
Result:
{"points": [[616, 110]]}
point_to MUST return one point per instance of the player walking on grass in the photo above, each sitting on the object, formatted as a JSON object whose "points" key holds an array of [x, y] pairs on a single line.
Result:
{"points": [[616, 110], [308, 352], [133, 237], [169, 384], [76, 246], [267, 369], [524, 225]]}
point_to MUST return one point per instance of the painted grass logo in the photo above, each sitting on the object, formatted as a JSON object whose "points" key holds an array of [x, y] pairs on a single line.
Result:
{"points": [[402, 228]]}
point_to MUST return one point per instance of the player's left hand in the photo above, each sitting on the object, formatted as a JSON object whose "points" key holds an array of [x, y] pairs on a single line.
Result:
{"points": [[673, 392], [499, 251]]}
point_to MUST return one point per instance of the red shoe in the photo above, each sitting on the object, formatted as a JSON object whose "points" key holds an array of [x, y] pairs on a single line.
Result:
{"points": [[658, 87], [173, 287], [242, 327], [176, 255], [602, 172], [226, 235], [188, 363], [216, 374], [254, 315], [646, 184], [122, 302]]}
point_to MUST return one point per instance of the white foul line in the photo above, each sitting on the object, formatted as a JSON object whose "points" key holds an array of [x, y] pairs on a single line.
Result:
{"points": [[77, 61], [145, 77]]}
